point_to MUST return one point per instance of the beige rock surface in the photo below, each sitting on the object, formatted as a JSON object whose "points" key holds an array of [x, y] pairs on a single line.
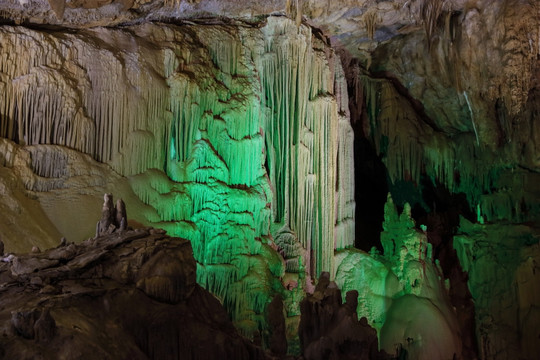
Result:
{"points": [[40, 210]]}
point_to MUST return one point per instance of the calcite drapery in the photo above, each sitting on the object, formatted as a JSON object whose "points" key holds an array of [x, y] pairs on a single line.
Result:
{"points": [[224, 130]]}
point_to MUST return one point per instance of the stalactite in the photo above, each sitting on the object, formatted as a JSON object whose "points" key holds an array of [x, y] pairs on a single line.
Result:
{"points": [[430, 12], [222, 132], [293, 8], [371, 18], [7, 152], [410, 149], [305, 120], [48, 162], [345, 191]]}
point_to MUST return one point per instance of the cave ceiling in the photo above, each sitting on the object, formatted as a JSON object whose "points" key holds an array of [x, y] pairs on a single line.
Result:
{"points": [[467, 66]]}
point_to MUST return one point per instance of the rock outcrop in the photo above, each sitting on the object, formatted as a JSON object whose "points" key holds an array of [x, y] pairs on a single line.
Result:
{"points": [[130, 294]]}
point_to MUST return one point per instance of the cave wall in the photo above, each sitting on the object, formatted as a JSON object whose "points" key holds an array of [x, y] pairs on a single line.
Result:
{"points": [[229, 134]]}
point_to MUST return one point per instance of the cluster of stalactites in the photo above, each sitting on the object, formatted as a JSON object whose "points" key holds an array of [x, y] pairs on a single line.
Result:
{"points": [[411, 149], [67, 92], [309, 142], [221, 132]]}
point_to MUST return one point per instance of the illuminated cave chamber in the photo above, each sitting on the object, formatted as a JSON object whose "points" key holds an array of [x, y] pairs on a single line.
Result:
{"points": [[238, 136]]}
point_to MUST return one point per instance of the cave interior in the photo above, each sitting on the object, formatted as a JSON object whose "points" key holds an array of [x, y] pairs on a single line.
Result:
{"points": [[299, 179]]}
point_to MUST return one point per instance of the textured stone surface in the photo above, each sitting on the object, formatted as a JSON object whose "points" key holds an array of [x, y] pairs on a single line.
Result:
{"points": [[126, 295], [203, 128]]}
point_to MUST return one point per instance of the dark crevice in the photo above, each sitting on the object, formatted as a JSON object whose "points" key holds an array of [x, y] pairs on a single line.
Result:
{"points": [[371, 190], [442, 221]]}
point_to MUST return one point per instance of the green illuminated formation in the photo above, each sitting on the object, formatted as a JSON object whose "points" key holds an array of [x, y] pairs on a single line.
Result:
{"points": [[233, 129], [501, 261], [412, 148], [457, 142], [235, 136], [402, 292]]}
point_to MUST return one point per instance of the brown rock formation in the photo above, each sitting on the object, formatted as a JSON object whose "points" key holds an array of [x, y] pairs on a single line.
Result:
{"points": [[331, 330], [125, 295]]}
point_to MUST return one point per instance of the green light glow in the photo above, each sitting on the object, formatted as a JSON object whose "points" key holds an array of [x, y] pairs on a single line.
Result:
{"points": [[172, 150], [225, 134], [500, 260], [217, 191], [404, 277]]}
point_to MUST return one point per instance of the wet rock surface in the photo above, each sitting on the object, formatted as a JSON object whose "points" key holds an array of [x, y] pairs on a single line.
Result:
{"points": [[130, 294]]}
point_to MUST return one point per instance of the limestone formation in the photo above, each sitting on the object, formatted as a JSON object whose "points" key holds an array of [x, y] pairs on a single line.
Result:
{"points": [[406, 299], [121, 215], [113, 218], [92, 303], [107, 223], [210, 173], [491, 272]]}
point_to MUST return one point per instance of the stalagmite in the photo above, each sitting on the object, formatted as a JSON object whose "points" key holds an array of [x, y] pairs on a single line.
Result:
{"points": [[404, 282]]}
